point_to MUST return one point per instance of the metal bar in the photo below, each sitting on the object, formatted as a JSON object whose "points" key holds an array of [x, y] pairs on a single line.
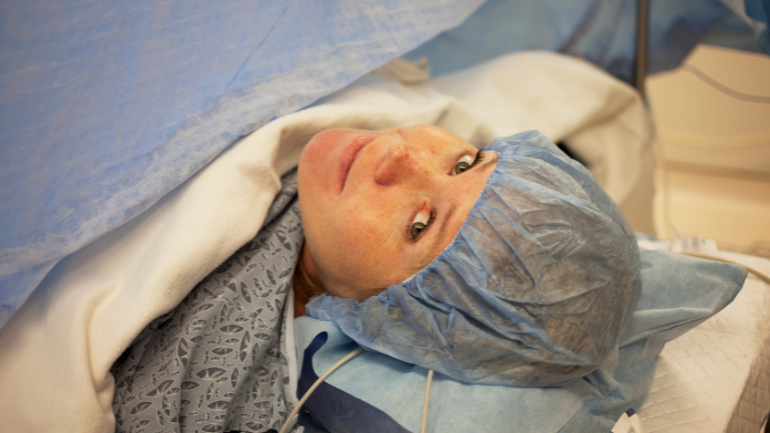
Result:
{"points": [[642, 23]]}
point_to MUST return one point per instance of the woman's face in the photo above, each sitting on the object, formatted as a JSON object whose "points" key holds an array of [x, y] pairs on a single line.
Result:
{"points": [[378, 206]]}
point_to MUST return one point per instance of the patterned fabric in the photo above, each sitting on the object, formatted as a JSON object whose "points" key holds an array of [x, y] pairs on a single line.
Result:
{"points": [[219, 361]]}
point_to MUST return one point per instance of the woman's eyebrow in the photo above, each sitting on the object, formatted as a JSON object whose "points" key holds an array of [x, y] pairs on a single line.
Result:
{"points": [[495, 157]]}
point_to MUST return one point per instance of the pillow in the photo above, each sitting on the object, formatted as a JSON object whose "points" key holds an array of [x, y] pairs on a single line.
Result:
{"points": [[374, 392]]}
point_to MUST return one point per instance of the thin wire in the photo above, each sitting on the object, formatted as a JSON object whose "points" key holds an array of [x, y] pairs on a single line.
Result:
{"points": [[756, 273], [339, 363], [724, 89], [424, 426]]}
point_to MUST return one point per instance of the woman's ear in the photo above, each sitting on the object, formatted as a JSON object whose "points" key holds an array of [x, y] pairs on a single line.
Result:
{"points": [[305, 282], [306, 273]]}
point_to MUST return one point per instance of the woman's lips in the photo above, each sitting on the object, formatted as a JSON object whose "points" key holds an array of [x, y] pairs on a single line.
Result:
{"points": [[350, 155]]}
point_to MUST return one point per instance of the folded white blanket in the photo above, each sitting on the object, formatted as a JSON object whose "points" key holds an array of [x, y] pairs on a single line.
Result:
{"points": [[56, 351]]}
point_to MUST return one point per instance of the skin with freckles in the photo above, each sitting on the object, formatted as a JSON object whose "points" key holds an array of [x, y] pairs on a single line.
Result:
{"points": [[379, 206]]}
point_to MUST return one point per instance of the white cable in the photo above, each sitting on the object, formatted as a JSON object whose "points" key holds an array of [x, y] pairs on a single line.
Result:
{"points": [[425, 402], [756, 273], [331, 369], [724, 89]]}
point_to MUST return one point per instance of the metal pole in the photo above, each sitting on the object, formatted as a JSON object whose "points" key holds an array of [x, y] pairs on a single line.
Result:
{"points": [[642, 22]]}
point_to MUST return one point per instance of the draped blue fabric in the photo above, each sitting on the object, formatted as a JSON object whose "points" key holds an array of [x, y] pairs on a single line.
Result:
{"points": [[105, 106], [759, 11], [601, 31]]}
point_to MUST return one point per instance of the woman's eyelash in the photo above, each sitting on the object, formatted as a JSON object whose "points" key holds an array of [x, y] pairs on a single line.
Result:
{"points": [[479, 157]]}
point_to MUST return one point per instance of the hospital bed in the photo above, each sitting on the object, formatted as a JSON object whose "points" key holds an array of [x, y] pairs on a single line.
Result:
{"points": [[78, 290]]}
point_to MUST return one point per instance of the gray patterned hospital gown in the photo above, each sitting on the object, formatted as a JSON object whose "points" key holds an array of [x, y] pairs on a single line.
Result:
{"points": [[217, 363]]}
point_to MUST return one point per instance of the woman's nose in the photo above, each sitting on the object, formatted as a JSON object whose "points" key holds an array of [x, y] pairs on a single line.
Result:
{"points": [[400, 165]]}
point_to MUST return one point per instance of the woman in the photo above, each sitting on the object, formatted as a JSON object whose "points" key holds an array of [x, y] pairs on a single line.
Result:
{"points": [[507, 266]]}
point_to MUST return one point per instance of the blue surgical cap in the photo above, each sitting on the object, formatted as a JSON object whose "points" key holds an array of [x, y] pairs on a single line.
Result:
{"points": [[535, 290]]}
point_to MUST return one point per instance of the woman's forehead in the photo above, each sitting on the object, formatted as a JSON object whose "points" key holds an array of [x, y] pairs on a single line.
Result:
{"points": [[434, 136]]}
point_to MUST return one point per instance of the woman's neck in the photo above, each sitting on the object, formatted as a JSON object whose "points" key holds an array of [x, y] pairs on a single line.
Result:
{"points": [[305, 282]]}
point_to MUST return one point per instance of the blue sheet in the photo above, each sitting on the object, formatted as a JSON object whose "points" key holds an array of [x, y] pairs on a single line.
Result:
{"points": [[758, 16], [603, 32], [733, 33], [105, 106]]}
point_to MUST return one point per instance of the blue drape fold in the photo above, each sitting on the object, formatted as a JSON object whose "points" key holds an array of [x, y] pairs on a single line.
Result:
{"points": [[105, 106]]}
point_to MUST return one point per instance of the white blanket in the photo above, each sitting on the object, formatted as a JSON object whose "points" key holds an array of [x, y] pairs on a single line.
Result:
{"points": [[56, 351]]}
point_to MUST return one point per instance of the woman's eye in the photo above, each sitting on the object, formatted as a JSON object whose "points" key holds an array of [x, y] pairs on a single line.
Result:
{"points": [[417, 228], [464, 164], [419, 225]]}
